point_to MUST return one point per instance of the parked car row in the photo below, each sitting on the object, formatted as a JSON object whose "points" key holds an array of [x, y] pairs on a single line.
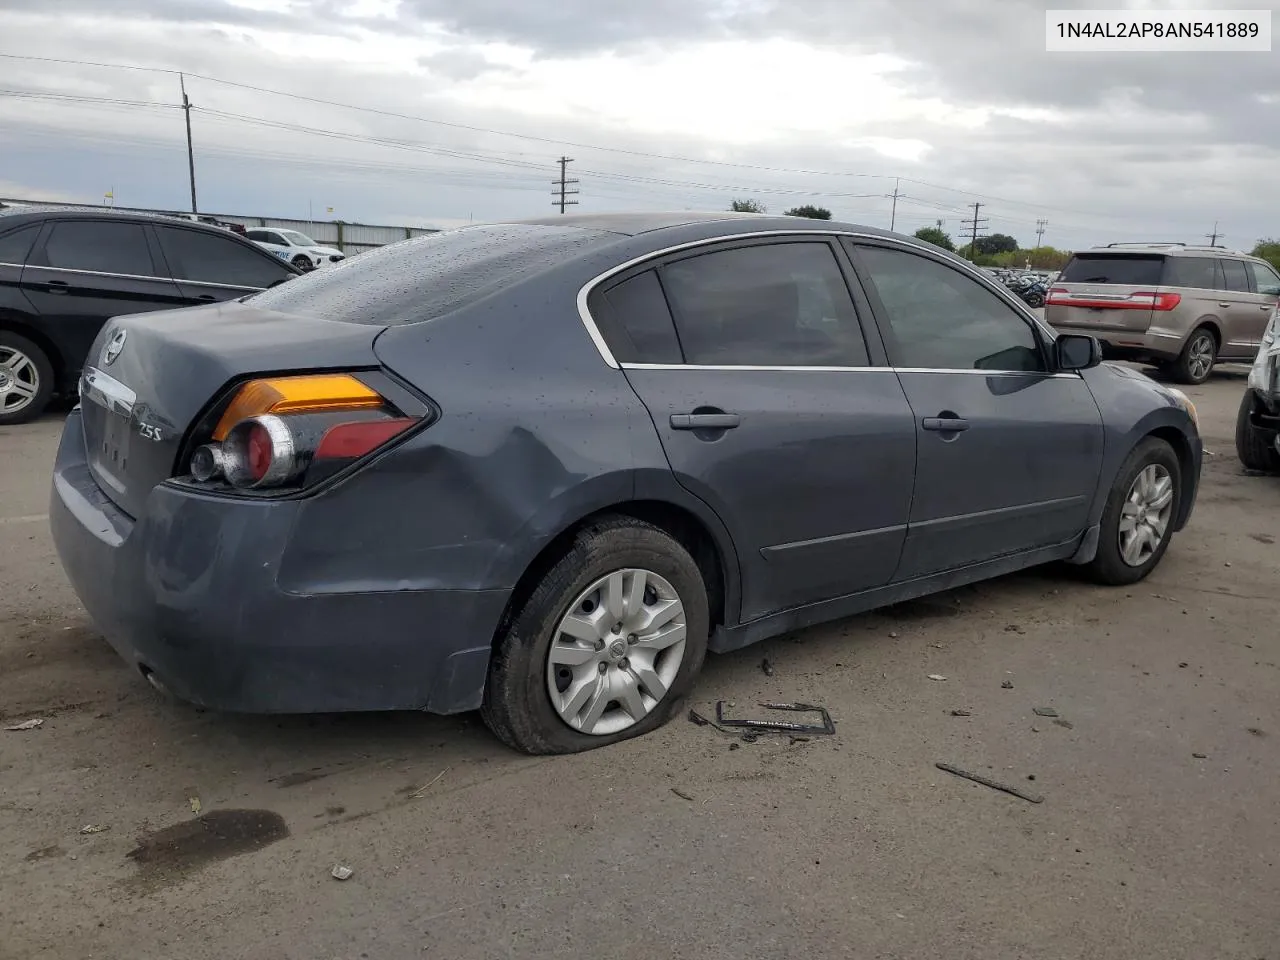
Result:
{"points": [[542, 468], [65, 272]]}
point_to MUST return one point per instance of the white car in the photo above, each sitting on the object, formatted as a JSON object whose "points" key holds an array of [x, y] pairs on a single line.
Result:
{"points": [[294, 247]]}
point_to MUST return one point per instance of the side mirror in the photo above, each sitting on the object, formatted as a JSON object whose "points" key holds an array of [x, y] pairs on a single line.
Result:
{"points": [[1073, 351]]}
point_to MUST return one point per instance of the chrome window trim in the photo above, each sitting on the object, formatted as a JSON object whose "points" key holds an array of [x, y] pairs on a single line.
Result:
{"points": [[95, 273], [584, 314], [758, 368], [134, 276]]}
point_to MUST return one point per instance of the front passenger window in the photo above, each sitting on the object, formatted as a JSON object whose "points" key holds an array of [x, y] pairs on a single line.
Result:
{"points": [[940, 319]]}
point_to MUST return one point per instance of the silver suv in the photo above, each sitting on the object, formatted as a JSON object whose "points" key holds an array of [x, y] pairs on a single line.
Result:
{"points": [[1180, 307]]}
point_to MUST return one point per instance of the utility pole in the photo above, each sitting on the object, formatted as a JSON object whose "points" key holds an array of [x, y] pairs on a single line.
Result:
{"points": [[562, 191], [1213, 237], [191, 156], [893, 216], [1040, 225], [974, 226]]}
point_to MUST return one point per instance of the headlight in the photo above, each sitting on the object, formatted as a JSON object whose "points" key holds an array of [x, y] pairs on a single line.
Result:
{"points": [[1273, 328], [1185, 402]]}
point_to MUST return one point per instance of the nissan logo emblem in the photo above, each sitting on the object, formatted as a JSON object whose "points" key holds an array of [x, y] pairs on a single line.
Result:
{"points": [[114, 346]]}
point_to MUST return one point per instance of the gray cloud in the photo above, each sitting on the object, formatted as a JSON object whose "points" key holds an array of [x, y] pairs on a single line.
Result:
{"points": [[1147, 146]]}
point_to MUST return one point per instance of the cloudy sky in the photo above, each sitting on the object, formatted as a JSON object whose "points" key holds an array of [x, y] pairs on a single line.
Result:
{"points": [[439, 111]]}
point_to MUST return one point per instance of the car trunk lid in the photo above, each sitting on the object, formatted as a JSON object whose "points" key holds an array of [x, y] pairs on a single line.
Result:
{"points": [[148, 376], [1109, 293]]}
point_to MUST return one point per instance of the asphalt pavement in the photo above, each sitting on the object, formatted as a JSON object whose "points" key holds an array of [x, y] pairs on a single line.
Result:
{"points": [[132, 827]]}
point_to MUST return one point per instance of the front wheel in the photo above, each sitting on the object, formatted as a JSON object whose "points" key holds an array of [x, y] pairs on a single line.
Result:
{"points": [[1255, 448], [1195, 363], [1138, 519], [605, 646], [303, 263]]}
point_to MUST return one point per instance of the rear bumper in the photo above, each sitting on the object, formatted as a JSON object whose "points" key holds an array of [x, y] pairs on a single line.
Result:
{"points": [[189, 592], [1151, 344]]}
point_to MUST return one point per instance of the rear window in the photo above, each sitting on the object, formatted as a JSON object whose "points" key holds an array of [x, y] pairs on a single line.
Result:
{"points": [[428, 276], [1131, 269]]}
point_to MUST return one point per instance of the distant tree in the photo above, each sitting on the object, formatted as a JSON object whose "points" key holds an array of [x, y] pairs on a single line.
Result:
{"points": [[1268, 250], [810, 211], [936, 237], [748, 206], [996, 243]]}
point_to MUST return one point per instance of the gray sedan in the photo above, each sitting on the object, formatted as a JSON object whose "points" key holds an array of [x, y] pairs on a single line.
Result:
{"points": [[541, 468]]}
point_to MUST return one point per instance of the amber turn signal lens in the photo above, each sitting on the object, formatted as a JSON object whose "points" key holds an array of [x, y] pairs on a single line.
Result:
{"points": [[316, 393]]}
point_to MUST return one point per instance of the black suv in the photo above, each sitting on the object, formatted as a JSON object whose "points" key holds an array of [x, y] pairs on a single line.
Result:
{"points": [[64, 272]]}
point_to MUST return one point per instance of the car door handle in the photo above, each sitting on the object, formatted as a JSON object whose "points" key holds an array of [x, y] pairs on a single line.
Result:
{"points": [[945, 424], [57, 286], [704, 421], [207, 298], [1221, 304]]}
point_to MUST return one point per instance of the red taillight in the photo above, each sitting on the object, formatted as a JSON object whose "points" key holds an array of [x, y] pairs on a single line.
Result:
{"points": [[258, 452], [347, 441], [1161, 301], [1141, 300]]}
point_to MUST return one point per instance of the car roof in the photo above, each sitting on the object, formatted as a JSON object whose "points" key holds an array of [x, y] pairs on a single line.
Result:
{"points": [[11, 214], [634, 224], [1171, 249]]}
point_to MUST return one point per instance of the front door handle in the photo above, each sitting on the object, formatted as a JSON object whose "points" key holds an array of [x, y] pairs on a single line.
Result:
{"points": [[58, 286], [945, 424], [207, 298], [705, 421], [1224, 305]]}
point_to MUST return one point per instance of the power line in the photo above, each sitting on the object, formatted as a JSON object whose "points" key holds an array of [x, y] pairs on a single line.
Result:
{"points": [[523, 136]]}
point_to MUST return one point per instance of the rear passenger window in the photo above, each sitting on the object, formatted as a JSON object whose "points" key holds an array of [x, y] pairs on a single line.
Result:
{"points": [[636, 322], [1200, 272], [777, 304], [1237, 276], [15, 246], [100, 246]]}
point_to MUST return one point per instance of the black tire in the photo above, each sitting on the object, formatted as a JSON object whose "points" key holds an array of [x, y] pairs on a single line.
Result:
{"points": [[303, 263], [1255, 448], [44, 379], [1108, 566], [1035, 300], [517, 705], [1184, 369]]}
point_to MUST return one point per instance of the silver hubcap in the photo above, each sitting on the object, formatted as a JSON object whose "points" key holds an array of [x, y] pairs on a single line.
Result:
{"points": [[19, 380], [1144, 518], [616, 652], [1200, 356]]}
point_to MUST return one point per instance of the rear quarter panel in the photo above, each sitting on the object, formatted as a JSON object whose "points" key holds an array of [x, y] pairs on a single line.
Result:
{"points": [[536, 432]]}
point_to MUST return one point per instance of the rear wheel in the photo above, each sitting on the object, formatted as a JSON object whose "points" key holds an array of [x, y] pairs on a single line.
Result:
{"points": [[1195, 363], [303, 263], [1137, 521], [604, 647], [1255, 448], [26, 379]]}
